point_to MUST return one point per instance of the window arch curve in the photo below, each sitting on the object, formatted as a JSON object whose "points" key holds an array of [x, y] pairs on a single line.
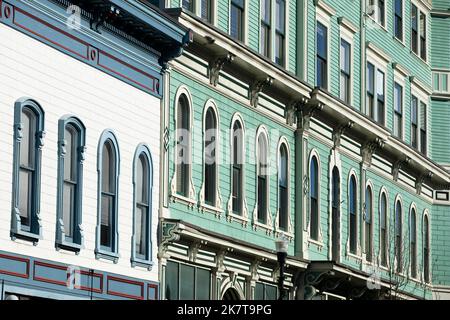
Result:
{"points": [[384, 226], [398, 232], [71, 153], [211, 192], [283, 151], [262, 182], [237, 158], [353, 212], [29, 131], [181, 184], [108, 168], [368, 221], [314, 195], [141, 253], [413, 240]]}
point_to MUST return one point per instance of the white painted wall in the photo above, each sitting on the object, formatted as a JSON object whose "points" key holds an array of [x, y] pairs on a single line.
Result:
{"points": [[62, 85]]}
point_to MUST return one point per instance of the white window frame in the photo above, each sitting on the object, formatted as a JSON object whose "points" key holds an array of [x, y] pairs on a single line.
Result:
{"points": [[244, 23], [402, 41], [319, 241], [289, 233], [421, 8], [422, 97], [380, 62], [440, 74], [356, 255], [384, 191], [347, 34], [324, 17], [374, 15], [399, 78]]}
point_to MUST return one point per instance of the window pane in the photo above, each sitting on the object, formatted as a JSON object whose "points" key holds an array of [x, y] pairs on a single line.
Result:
{"points": [[108, 167], [70, 162], [188, 5], [183, 146], [271, 292], [203, 282], [280, 16], [236, 22], [68, 208], [106, 223], [265, 11], [265, 40], [25, 196], [27, 145], [186, 282], [322, 40], [141, 231], [279, 49], [262, 197], [172, 278], [142, 180], [206, 10], [259, 291]]}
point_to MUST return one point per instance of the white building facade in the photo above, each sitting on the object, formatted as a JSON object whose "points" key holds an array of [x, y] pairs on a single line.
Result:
{"points": [[80, 103]]}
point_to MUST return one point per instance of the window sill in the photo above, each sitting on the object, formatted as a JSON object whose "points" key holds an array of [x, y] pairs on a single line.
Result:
{"points": [[377, 23], [101, 254], [181, 199], [317, 243], [211, 209], [238, 218], [420, 58], [263, 226], [68, 246], [354, 256], [288, 235], [402, 42], [25, 235], [147, 264]]}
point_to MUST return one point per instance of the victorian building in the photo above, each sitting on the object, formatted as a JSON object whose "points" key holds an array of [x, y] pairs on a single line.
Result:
{"points": [[319, 121], [80, 100]]}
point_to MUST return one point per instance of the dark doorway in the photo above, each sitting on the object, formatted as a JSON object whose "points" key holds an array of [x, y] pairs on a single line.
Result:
{"points": [[231, 295]]}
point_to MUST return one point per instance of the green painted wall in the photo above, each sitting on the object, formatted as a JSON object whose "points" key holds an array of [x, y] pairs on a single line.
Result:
{"points": [[440, 42], [440, 237], [440, 119]]}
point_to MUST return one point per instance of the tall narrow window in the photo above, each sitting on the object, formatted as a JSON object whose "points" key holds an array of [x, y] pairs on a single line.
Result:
{"points": [[262, 184], [28, 142], [183, 147], [265, 27], [383, 230], [398, 110], [335, 208], [423, 128], [71, 145], [143, 183], [398, 235], [380, 97], [283, 188], [237, 19], [314, 198], [206, 10], [108, 170], [368, 223], [321, 56], [345, 71], [413, 243], [280, 22], [426, 249], [398, 19], [237, 174], [370, 90], [210, 145], [188, 5], [352, 214], [423, 36], [414, 122], [380, 12], [414, 29]]}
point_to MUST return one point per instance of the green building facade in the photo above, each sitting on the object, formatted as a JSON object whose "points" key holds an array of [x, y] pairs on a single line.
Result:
{"points": [[321, 122]]}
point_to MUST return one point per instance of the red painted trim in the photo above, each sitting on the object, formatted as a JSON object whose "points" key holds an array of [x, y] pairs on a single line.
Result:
{"points": [[121, 294], [154, 286], [152, 89], [54, 28], [96, 275], [16, 274], [48, 265]]}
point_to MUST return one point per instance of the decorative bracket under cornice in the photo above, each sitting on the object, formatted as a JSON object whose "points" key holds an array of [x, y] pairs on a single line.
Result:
{"points": [[292, 108], [339, 131], [369, 148], [216, 65], [420, 181], [170, 232], [256, 87], [305, 113], [398, 165], [101, 16]]}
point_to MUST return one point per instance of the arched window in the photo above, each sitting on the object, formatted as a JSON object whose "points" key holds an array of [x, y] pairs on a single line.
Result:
{"points": [[398, 235], [108, 169], [352, 214], [335, 212], [413, 242], [183, 147], [314, 198], [237, 162], [368, 223], [28, 142], [283, 188], [426, 249], [383, 229], [262, 183], [210, 149], [143, 184], [71, 146]]}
